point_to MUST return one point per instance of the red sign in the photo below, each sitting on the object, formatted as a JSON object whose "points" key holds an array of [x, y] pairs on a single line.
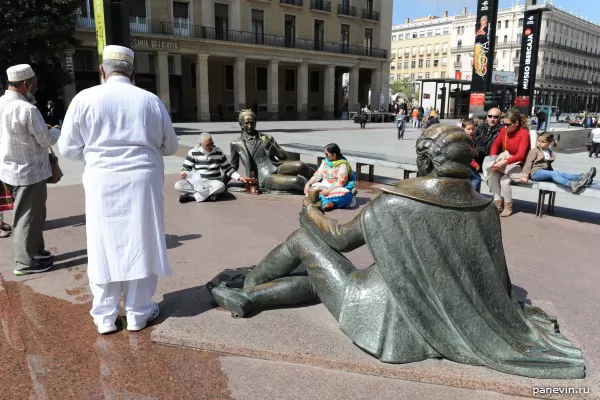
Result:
{"points": [[426, 96], [522, 101], [477, 99], [458, 75]]}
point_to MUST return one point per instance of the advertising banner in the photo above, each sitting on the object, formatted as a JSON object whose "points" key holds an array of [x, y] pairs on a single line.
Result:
{"points": [[100, 26], [483, 52], [530, 40]]}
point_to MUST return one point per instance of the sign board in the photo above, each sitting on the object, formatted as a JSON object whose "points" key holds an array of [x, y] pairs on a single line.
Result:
{"points": [[149, 44], [69, 65], [477, 99], [100, 27], [426, 96], [458, 75], [382, 102], [483, 51], [530, 40], [498, 77]]}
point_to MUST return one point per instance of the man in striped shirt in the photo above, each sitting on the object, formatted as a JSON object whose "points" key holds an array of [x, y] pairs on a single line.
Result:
{"points": [[202, 172]]}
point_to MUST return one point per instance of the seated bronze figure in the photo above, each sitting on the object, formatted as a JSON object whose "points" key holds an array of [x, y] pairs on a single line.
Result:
{"points": [[262, 155], [439, 287]]}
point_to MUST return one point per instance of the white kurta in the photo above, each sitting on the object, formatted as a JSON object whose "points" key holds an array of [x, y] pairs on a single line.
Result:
{"points": [[122, 133]]}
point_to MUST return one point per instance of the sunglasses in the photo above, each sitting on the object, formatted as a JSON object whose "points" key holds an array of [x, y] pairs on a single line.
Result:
{"points": [[494, 116], [327, 155], [511, 124]]}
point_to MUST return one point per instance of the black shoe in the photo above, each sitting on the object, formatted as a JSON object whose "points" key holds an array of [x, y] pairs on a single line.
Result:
{"points": [[186, 198], [44, 256], [37, 267]]}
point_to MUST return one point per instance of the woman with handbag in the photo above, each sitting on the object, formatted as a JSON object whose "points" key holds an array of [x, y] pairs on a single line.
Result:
{"points": [[510, 147]]}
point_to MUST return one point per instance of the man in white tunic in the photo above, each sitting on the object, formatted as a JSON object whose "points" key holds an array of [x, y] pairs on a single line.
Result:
{"points": [[121, 132]]}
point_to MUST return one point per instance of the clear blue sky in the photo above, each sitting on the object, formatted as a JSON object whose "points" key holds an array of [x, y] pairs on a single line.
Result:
{"points": [[421, 8]]}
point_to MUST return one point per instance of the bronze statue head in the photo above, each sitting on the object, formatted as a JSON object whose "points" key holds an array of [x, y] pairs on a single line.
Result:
{"points": [[247, 121], [444, 151]]}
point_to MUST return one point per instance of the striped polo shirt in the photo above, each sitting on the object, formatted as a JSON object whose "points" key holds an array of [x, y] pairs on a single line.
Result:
{"points": [[208, 165]]}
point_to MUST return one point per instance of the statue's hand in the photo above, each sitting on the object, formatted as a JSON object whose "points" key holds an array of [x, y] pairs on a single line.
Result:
{"points": [[308, 213], [266, 140]]}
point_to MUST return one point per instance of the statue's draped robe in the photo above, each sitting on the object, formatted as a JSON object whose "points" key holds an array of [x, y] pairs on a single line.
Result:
{"points": [[439, 287]]}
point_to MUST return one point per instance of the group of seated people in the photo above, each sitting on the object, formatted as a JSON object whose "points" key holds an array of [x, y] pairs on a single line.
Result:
{"points": [[514, 158], [206, 171]]}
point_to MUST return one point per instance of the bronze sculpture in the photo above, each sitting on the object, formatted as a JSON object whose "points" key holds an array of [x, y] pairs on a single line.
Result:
{"points": [[439, 287], [262, 155]]}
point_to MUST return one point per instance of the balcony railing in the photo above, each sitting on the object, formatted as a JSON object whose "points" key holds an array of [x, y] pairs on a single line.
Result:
{"points": [[320, 5], [347, 10], [182, 28], [370, 15], [290, 42], [85, 22], [297, 3]]}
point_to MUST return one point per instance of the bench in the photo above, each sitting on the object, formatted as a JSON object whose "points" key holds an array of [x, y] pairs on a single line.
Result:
{"points": [[360, 158], [550, 189]]}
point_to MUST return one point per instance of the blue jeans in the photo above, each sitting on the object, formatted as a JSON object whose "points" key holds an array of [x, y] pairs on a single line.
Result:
{"points": [[475, 179], [562, 178]]}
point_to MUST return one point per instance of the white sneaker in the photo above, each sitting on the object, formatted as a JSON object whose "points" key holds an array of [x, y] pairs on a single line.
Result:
{"points": [[104, 329], [153, 315]]}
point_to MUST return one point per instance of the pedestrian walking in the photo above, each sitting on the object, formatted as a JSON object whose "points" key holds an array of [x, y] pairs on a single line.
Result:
{"points": [[122, 133], [595, 147], [25, 140]]}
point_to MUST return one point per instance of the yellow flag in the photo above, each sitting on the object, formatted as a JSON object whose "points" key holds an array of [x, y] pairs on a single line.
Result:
{"points": [[100, 27]]}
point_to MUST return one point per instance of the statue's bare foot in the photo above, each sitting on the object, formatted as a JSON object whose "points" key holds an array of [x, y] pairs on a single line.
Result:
{"points": [[230, 299]]}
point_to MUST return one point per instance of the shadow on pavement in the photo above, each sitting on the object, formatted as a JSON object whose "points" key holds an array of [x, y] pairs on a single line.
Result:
{"points": [[174, 241], [70, 259], [529, 207], [520, 294], [75, 220], [194, 300]]}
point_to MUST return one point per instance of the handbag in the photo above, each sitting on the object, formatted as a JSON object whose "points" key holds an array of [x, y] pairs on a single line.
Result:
{"points": [[489, 161], [57, 173]]}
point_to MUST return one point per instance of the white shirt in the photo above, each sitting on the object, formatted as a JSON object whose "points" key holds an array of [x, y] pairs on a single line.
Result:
{"points": [[122, 132], [24, 141], [596, 135]]}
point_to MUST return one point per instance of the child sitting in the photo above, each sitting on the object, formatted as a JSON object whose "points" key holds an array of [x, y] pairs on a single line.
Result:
{"points": [[538, 167], [469, 126]]}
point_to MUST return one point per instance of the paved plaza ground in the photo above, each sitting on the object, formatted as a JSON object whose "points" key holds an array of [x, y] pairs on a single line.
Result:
{"points": [[50, 348]]}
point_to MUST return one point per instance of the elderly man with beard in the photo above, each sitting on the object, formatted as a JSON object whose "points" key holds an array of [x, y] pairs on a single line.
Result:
{"points": [[121, 132], [25, 140], [486, 133]]}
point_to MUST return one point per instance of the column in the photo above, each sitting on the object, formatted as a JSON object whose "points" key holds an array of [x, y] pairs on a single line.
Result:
{"points": [[302, 91], [273, 92], [202, 97], [208, 14], [329, 91], [239, 83], [385, 81], [353, 90], [376, 90], [162, 79], [235, 15]]}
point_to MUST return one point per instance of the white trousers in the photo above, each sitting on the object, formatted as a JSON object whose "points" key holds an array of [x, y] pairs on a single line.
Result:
{"points": [[210, 187], [138, 301]]}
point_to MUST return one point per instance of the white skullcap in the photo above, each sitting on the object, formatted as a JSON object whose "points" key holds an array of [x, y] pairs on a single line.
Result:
{"points": [[19, 73], [119, 53]]}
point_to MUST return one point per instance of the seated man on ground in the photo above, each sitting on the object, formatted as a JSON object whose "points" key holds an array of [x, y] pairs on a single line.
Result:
{"points": [[201, 173], [538, 167], [439, 286], [334, 181]]}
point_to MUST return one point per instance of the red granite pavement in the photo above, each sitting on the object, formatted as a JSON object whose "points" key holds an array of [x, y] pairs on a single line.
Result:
{"points": [[51, 350]]}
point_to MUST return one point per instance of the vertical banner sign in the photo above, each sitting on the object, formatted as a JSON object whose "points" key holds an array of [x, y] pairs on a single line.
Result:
{"points": [[530, 40], [100, 27], [483, 52]]}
